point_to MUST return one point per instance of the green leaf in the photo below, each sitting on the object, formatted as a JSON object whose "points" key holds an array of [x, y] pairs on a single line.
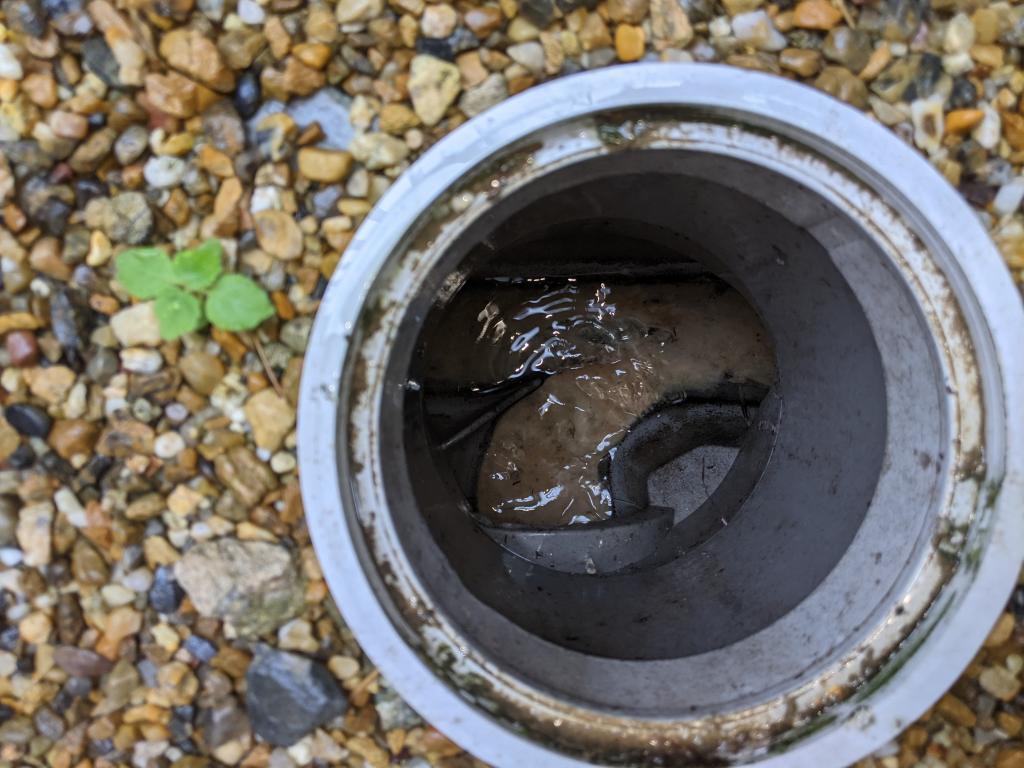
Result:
{"points": [[198, 267], [237, 303], [144, 272], [177, 312]]}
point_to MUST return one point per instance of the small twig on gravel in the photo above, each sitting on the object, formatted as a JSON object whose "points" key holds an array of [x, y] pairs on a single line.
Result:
{"points": [[360, 694], [266, 364], [846, 12]]}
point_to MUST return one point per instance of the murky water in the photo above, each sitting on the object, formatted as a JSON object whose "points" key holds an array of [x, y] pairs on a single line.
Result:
{"points": [[609, 353]]}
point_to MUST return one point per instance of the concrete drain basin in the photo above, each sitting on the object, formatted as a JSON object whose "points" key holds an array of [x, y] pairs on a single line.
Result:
{"points": [[668, 415]]}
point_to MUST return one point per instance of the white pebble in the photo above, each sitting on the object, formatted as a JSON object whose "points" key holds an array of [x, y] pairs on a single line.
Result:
{"points": [[720, 27], [143, 752], [988, 131], [888, 114], [957, 63], [265, 199], [959, 35], [116, 595], [10, 379], [112, 405], [139, 360], [11, 558], [250, 12], [929, 123], [674, 54], [178, 538], [176, 412], [1009, 197], [165, 171], [10, 67], [168, 445], [139, 580], [529, 55], [201, 531], [756, 29], [69, 506], [302, 751], [282, 462], [229, 396], [8, 664], [220, 526], [136, 325], [75, 405]]}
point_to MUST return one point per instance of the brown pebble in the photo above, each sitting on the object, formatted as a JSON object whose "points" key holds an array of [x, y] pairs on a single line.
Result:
{"points": [[1013, 129], [471, 69], [877, 62], [327, 166], [230, 343], [69, 619], [396, 119], [224, 220], [14, 218], [80, 662], [1010, 757], [315, 55], [961, 121], [249, 478], [816, 14], [484, 20], [629, 11], [629, 42], [87, 565], [41, 89], [176, 95], [202, 371], [1003, 628], [9, 439], [146, 507], [17, 321], [125, 438], [1010, 724], [195, 54], [1000, 682], [844, 85], [954, 710], [803, 62], [70, 437], [68, 125], [594, 33], [45, 257], [986, 25], [988, 55], [278, 234], [22, 348]]}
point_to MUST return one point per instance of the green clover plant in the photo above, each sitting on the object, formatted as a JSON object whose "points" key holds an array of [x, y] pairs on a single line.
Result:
{"points": [[190, 289]]}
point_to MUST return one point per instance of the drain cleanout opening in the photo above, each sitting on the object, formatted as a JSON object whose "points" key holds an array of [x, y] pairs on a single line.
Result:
{"points": [[817, 370], [863, 479], [617, 324]]}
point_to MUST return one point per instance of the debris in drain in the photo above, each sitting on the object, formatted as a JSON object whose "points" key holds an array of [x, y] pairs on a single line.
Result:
{"points": [[572, 367]]}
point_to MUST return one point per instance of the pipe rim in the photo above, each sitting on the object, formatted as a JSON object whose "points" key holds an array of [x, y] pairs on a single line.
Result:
{"points": [[831, 128]]}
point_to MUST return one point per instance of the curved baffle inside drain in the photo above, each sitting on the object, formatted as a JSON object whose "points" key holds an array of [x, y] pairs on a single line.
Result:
{"points": [[666, 448]]}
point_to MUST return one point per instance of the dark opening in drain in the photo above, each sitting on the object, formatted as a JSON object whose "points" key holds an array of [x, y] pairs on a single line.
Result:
{"points": [[566, 398], [735, 495]]}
